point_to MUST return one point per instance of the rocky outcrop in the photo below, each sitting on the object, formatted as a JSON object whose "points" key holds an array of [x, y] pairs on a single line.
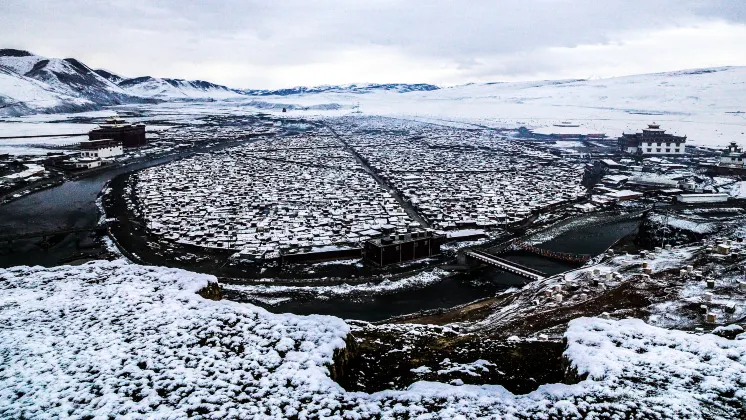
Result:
{"points": [[212, 291], [395, 356]]}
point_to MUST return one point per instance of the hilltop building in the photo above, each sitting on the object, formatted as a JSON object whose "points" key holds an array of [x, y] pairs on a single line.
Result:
{"points": [[652, 141], [115, 128]]}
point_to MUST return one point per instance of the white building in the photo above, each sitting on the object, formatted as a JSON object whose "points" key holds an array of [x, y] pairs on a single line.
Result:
{"points": [[83, 163], [101, 149]]}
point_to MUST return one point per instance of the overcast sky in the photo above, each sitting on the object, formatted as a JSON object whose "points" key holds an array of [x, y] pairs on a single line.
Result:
{"points": [[272, 44]]}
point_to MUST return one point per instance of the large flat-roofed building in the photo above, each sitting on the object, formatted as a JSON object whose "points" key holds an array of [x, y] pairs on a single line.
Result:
{"points": [[702, 198], [394, 249], [115, 128], [652, 141], [101, 149]]}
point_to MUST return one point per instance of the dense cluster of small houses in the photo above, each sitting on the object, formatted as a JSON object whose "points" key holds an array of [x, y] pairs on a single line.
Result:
{"points": [[259, 202], [307, 192], [465, 178]]}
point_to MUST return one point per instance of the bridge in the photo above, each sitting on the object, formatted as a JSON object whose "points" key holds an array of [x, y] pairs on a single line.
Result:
{"points": [[47, 233], [579, 259], [505, 265]]}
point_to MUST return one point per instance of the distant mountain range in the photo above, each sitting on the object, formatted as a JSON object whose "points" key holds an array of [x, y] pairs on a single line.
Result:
{"points": [[33, 84], [353, 88], [30, 83]]}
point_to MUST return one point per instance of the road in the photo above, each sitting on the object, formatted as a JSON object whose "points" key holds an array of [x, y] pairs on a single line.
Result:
{"points": [[407, 206]]}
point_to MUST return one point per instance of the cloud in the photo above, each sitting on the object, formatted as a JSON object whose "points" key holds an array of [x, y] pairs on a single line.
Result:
{"points": [[275, 44], [716, 44]]}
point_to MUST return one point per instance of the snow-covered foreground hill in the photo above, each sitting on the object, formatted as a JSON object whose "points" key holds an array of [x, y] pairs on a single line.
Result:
{"points": [[112, 339]]}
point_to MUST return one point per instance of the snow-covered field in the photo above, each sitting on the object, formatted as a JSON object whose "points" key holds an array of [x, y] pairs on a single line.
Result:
{"points": [[113, 339], [706, 105], [701, 104], [28, 128], [55, 124]]}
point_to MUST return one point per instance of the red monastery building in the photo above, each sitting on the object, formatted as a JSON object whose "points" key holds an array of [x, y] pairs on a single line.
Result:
{"points": [[115, 128]]}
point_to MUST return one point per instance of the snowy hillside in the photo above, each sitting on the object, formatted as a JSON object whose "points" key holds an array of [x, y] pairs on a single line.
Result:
{"points": [[31, 83], [114, 78], [176, 89], [706, 104], [110, 338], [67, 76], [678, 92], [21, 95]]}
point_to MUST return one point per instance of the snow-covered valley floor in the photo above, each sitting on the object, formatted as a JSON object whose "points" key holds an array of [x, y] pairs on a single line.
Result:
{"points": [[704, 104]]}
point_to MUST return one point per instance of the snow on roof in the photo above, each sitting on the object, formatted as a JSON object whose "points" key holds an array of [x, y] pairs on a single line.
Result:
{"points": [[616, 178], [109, 338], [585, 206], [654, 179], [29, 172], [624, 193], [464, 232]]}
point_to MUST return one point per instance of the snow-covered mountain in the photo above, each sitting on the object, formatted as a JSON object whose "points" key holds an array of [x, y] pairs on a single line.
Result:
{"points": [[21, 95], [65, 76], [352, 88], [31, 83], [112, 77], [176, 89]]}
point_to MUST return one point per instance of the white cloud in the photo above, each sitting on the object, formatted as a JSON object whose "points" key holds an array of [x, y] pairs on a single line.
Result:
{"points": [[711, 44], [276, 44]]}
